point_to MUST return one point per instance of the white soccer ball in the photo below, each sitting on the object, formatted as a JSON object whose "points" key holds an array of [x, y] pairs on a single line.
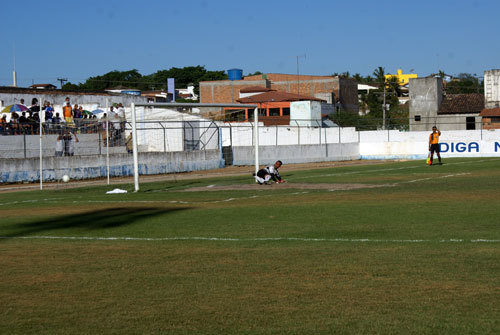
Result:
{"points": [[65, 178]]}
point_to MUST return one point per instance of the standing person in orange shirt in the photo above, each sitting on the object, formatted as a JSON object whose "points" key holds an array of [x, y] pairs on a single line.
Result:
{"points": [[67, 113], [434, 143]]}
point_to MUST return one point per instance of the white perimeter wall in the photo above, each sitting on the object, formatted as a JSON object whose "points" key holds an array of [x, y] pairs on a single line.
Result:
{"points": [[388, 144], [415, 145], [242, 135]]}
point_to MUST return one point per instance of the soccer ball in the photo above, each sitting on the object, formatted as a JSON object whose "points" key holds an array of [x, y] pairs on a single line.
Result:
{"points": [[65, 178]]}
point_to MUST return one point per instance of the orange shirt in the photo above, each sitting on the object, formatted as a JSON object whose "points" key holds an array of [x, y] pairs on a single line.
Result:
{"points": [[434, 138], [67, 111]]}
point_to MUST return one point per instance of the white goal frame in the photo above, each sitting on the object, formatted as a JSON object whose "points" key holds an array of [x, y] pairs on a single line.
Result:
{"points": [[189, 105]]}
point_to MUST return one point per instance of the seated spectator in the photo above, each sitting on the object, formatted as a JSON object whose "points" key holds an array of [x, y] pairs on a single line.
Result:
{"points": [[14, 123], [36, 125], [30, 123], [22, 122], [3, 125], [56, 121]]}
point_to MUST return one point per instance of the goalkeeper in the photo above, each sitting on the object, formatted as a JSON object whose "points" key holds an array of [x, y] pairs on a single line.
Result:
{"points": [[264, 175]]}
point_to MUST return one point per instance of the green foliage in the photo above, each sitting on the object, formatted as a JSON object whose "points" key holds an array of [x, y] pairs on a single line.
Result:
{"points": [[156, 81], [465, 83], [254, 74], [379, 74]]}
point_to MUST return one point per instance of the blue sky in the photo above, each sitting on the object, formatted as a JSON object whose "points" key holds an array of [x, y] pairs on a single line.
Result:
{"points": [[80, 39]]}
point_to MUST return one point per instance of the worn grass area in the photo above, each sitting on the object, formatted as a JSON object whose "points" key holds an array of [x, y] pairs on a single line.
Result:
{"points": [[419, 256]]}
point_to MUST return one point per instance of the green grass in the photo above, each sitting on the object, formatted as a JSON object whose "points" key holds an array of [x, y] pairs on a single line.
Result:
{"points": [[407, 257]]}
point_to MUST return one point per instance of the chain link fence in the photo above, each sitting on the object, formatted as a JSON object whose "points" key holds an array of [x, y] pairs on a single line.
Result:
{"points": [[98, 137]]}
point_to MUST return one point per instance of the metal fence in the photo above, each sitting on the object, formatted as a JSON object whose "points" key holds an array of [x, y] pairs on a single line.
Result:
{"points": [[89, 137]]}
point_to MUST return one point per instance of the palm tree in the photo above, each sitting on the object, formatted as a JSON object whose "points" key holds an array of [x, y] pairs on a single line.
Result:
{"points": [[379, 74]]}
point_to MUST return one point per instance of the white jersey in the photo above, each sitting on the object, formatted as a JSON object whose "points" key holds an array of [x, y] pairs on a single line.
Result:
{"points": [[270, 171]]}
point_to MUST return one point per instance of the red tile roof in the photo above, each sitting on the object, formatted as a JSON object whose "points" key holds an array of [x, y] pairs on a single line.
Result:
{"points": [[254, 89], [462, 104], [490, 112], [276, 96]]}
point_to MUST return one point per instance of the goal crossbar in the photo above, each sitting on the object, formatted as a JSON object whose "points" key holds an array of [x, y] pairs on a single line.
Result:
{"points": [[188, 105]]}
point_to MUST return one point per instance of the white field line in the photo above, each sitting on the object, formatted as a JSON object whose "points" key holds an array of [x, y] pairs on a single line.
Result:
{"points": [[424, 179], [180, 202], [256, 239], [255, 196], [387, 169]]}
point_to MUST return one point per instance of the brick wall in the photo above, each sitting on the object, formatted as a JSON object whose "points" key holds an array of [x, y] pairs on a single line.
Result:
{"points": [[487, 124], [285, 77], [225, 91]]}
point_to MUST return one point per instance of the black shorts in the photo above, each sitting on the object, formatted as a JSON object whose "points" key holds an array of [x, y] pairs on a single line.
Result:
{"points": [[434, 148], [262, 173]]}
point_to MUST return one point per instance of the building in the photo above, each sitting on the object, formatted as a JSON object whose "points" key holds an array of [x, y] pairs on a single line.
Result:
{"points": [[491, 113], [403, 79], [490, 118], [157, 96], [124, 90], [430, 107], [187, 93], [43, 86], [341, 92], [274, 107]]}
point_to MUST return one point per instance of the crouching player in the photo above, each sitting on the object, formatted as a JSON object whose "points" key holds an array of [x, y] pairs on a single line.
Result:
{"points": [[264, 175]]}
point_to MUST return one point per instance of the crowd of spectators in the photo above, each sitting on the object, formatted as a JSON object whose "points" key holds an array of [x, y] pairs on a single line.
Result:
{"points": [[74, 119]]}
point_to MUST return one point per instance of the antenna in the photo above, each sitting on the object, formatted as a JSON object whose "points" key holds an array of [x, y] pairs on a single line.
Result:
{"points": [[298, 78]]}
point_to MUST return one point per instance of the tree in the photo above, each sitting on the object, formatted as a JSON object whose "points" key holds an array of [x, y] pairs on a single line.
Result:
{"points": [[358, 78], [155, 81], [465, 83], [379, 74], [256, 73]]}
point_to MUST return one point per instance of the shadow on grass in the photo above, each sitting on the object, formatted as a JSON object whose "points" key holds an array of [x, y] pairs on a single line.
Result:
{"points": [[93, 220]]}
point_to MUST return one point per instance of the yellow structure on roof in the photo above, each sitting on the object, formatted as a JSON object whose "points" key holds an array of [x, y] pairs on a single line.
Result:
{"points": [[403, 79]]}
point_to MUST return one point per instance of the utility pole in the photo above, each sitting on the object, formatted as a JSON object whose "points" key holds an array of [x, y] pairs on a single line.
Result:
{"points": [[298, 78], [62, 80], [383, 111]]}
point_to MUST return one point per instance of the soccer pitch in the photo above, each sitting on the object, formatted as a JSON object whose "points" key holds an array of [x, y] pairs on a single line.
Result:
{"points": [[390, 248]]}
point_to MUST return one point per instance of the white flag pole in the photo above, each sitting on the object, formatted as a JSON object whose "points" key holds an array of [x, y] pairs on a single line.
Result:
{"points": [[41, 118]]}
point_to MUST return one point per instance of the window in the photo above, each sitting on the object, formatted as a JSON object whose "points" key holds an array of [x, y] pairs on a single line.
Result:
{"points": [[262, 112], [495, 119], [417, 118], [470, 123], [286, 111], [274, 112], [250, 114], [235, 115]]}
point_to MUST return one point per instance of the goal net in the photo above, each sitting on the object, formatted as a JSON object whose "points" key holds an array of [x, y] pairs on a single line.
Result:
{"points": [[173, 137]]}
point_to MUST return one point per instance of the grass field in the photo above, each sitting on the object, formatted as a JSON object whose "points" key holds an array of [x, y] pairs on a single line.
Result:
{"points": [[418, 254]]}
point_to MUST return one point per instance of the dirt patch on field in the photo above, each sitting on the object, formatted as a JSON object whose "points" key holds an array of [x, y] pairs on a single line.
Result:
{"points": [[299, 186], [223, 172]]}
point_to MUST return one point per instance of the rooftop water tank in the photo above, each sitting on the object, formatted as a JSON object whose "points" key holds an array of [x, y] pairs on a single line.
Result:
{"points": [[235, 74]]}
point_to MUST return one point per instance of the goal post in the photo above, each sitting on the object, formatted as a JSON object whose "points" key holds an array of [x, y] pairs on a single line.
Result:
{"points": [[188, 105]]}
